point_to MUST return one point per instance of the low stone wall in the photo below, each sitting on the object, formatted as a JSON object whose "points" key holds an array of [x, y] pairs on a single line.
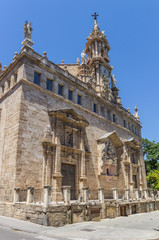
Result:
{"points": [[60, 214]]}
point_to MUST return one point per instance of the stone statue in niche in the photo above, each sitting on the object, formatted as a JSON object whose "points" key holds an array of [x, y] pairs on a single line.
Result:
{"points": [[69, 138], [109, 158], [48, 133]]}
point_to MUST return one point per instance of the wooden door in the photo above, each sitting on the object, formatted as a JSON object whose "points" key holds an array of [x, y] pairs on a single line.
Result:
{"points": [[133, 209], [123, 211], [68, 173]]}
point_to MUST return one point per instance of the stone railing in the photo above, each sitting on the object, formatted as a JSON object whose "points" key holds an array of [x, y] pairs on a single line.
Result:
{"points": [[44, 194]]}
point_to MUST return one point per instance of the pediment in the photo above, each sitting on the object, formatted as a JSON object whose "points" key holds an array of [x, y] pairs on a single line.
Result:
{"points": [[113, 137], [70, 115], [133, 143]]}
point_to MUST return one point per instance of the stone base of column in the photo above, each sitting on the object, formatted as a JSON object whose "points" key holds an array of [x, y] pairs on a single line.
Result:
{"points": [[101, 195], [115, 193], [57, 188], [30, 195], [16, 197], [66, 194], [47, 195], [127, 193], [85, 194]]}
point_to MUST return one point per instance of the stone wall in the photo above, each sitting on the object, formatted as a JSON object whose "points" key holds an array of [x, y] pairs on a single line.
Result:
{"points": [[9, 131], [34, 119], [62, 214]]}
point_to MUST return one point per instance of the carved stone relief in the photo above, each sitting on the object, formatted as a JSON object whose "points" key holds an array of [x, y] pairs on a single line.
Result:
{"points": [[108, 159]]}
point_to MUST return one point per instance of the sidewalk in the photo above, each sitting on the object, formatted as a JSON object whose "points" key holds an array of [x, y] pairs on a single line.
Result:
{"points": [[138, 226]]}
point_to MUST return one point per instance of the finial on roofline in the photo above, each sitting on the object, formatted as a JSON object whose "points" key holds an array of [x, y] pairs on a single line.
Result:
{"points": [[95, 21]]}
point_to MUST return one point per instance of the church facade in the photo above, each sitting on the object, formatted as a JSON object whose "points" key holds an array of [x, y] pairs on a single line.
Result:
{"points": [[64, 135]]}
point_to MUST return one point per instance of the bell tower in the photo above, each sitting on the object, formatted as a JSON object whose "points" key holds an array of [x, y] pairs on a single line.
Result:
{"points": [[97, 48], [95, 69]]}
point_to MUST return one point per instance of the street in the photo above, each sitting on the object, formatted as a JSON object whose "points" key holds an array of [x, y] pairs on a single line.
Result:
{"points": [[137, 226]]}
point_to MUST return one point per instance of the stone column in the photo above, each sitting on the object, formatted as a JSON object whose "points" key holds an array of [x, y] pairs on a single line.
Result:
{"points": [[44, 164], [136, 194], [49, 167], [57, 176], [16, 197], [131, 182], [30, 195], [96, 48], [75, 138], [57, 157], [115, 193], [100, 49], [47, 194], [85, 194], [97, 77], [83, 178], [101, 195], [140, 173], [66, 194], [127, 193], [130, 209], [145, 193]]}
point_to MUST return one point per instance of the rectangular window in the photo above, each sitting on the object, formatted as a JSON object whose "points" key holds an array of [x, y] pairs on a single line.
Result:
{"points": [[94, 107], [79, 99], [124, 123], [108, 115], [70, 95], [37, 78], [49, 85], [114, 118], [60, 90]]}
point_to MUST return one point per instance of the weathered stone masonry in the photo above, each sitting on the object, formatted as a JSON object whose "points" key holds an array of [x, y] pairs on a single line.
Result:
{"points": [[69, 151]]}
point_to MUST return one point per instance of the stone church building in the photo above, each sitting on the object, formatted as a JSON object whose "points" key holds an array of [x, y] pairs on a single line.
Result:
{"points": [[65, 136]]}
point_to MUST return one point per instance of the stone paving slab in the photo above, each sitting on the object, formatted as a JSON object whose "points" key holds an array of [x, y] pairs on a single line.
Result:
{"points": [[138, 226]]}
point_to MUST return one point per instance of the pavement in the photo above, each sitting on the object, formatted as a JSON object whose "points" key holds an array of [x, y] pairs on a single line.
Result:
{"points": [[137, 226]]}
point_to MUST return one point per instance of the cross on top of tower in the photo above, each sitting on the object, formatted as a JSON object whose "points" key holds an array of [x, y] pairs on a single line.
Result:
{"points": [[95, 16]]}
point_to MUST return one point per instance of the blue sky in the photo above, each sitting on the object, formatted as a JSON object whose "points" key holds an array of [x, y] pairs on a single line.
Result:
{"points": [[60, 28]]}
